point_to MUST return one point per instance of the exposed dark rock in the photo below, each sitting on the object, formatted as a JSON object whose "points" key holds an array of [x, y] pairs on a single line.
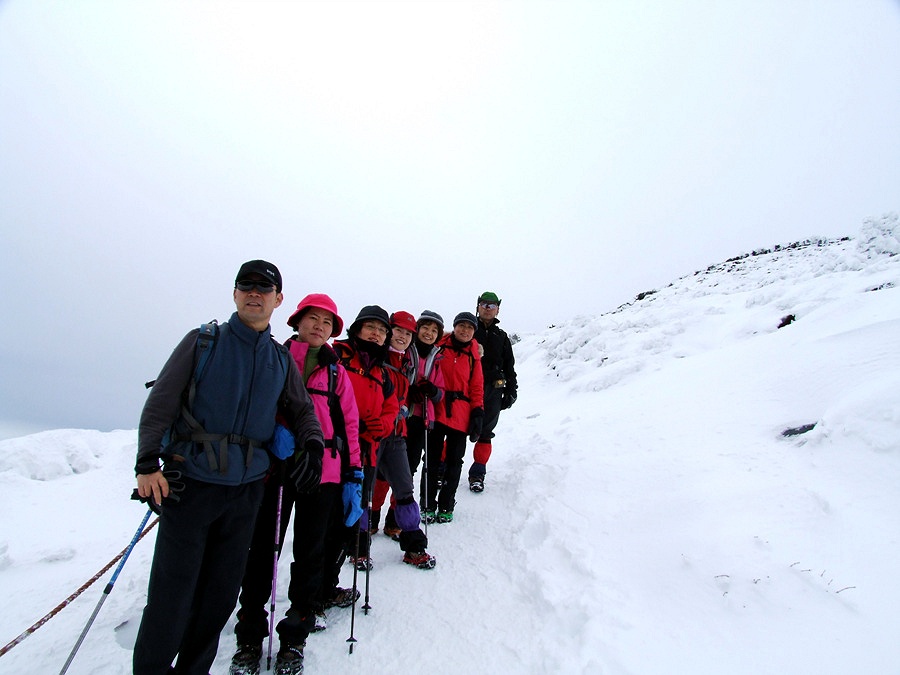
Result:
{"points": [[796, 431], [787, 320]]}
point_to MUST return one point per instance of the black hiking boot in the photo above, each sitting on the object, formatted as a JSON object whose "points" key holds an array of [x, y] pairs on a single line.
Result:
{"points": [[476, 483], [246, 660], [289, 660]]}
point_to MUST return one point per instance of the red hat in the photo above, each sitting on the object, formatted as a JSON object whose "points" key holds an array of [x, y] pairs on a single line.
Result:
{"points": [[319, 301], [404, 320]]}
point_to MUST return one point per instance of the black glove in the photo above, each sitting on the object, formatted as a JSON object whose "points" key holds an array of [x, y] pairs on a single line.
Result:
{"points": [[507, 400], [176, 485], [428, 389], [415, 394], [373, 426], [476, 419], [306, 467]]}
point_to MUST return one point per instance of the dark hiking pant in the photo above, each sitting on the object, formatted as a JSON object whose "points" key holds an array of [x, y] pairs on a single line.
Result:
{"points": [[201, 549], [314, 518], [493, 398], [445, 497]]}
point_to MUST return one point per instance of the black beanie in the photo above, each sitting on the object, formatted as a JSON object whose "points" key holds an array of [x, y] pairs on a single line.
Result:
{"points": [[467, 317]]}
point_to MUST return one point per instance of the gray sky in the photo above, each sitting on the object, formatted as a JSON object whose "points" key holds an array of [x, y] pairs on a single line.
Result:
{"points": [[567, 155]]}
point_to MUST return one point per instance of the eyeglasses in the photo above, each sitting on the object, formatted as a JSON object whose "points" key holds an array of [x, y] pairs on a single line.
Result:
{"points": [[261, 286], [376, 326], [488, 305]]}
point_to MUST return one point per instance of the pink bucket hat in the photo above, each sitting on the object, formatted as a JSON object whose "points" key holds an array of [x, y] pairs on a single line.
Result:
{"points": [[319, 301]]}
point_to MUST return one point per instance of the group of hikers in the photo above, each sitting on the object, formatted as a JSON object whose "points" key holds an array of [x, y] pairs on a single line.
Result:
{"points": [[240, 432]]}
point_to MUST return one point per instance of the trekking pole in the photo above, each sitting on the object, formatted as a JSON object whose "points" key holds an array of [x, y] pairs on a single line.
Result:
{"points": [[107, 590], [65, 603], [425, 466], [352, 639], [274, 576], [371, 487]]}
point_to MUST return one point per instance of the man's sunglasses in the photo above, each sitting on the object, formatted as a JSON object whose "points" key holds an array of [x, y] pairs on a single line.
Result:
{"points": [[261, 286], [489, 305]]}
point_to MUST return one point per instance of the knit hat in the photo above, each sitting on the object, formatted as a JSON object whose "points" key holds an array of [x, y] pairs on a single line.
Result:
{"points": [[368, 313], [428, 315], [263, 269], [488, 296], [403, 320], [467, 317], [319, 301]]}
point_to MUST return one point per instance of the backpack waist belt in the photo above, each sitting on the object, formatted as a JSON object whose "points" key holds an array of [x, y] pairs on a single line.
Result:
{"points": [[450, 397], [224, 440]]}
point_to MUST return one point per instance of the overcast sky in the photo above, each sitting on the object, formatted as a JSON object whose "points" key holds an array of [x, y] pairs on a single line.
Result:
{"points": [[566, 155]]}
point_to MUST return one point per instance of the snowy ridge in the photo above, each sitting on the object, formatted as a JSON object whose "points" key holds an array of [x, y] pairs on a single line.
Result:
{"points": [[696, 313], [643, 512]]}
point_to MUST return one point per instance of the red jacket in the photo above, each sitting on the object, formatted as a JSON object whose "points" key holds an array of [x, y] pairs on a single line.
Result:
{"points": [[399, 368], [375, 398], [460, 364]]}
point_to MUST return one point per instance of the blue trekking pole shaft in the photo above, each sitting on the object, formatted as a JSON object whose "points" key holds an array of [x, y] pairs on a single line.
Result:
{"points": [[107, 591]]}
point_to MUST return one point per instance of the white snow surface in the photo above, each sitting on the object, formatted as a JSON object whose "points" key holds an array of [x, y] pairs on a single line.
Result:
{"points": [[643, 511]]}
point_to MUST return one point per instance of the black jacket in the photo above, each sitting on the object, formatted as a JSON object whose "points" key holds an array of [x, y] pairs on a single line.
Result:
{"points": [[497, 360]]}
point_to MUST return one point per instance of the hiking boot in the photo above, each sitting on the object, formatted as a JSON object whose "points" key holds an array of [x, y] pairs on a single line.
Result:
{"points": [[444, 516], [362, 564], [420, 559], [476, 483], [428, 516], [246, 660], [321, 621], [289, 660], [393, 532], [343, 597]]}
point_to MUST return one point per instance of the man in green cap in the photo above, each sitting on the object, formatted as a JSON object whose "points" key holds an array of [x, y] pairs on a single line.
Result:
{"points": [[500, 386]]}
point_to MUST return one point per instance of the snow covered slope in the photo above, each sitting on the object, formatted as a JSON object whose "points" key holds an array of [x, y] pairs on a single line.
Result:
{"points": [[644, 512]]}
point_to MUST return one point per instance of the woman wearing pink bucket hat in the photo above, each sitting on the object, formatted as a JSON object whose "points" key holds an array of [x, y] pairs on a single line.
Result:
{"points": [[320, 516]]}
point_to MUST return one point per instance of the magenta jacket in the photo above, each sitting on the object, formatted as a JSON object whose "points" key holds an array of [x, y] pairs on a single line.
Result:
{"points": [[317, 386], [428, 370]]}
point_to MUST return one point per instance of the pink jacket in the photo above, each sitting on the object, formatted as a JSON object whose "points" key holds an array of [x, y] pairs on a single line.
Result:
{"points": [[428, 370], [317, 386]]}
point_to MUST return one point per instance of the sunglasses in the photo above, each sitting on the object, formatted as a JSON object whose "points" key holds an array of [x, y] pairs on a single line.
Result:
{"points": [[261, 286], [489, 305]]}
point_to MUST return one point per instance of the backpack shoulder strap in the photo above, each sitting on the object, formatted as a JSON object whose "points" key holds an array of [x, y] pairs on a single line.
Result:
{"points": [[206, 340], [339, 444]]}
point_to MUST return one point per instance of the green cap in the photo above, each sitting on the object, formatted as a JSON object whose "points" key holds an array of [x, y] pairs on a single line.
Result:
{"points": [[488, 296]]}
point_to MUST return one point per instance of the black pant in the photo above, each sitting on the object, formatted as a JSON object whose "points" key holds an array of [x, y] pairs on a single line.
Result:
{"points": [[317, 519], [415, 442], [201, 549], [445, 498], [493, 398]]}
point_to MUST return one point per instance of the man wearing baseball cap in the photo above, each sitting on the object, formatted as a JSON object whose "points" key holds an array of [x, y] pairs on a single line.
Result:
{"points": [[212, 430]]}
